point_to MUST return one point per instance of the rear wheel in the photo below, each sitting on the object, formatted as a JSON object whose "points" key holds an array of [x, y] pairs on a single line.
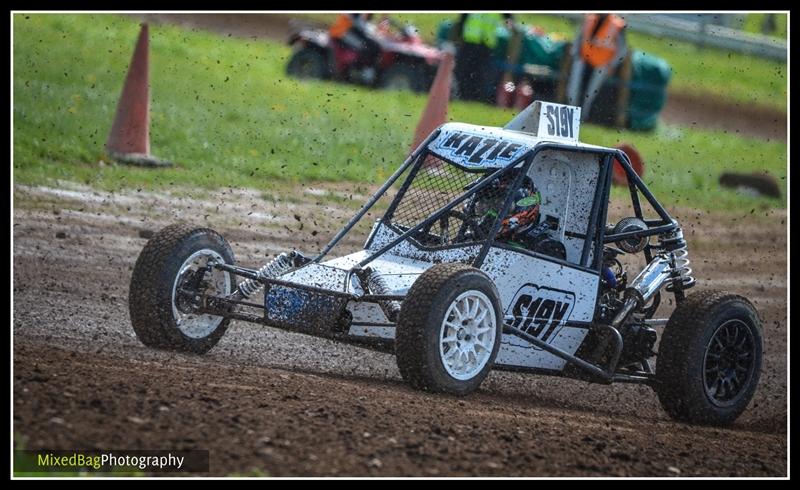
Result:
{"points": [[403, 76], [176, 260], [709, 359], [308, 63], [449, 330]]}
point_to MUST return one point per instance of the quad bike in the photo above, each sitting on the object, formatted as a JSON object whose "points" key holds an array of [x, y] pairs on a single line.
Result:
{"points": [[440, 284], [403, 63]]}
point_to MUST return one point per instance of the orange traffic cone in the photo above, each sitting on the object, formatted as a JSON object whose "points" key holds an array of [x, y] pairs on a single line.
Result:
{"points": [[618, 176], [129, 140], [435, 113]]}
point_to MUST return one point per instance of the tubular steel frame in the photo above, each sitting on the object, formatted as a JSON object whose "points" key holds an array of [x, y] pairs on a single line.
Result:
{"points": [[596, 230]]}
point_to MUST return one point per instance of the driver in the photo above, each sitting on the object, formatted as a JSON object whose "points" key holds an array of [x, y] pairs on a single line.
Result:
{"points": [[522, 227], [357, 32]]}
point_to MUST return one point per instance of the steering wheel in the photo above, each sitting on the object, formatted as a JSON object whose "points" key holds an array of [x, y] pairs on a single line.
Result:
{"points": [[446, 228]]}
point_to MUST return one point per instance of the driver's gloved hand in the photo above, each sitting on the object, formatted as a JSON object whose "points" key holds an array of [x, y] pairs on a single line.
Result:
{"points": [[539, 229]]}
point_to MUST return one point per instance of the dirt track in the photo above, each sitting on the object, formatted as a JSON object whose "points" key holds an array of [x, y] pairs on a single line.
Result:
{"points": [[689, 109], [288, 404]]}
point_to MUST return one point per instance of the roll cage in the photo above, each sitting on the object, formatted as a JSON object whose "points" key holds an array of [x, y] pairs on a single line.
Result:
{"points": [[598, 215]]}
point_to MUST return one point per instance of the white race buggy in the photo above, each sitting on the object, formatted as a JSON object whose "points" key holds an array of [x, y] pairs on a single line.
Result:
{"points": [[493, 253]]}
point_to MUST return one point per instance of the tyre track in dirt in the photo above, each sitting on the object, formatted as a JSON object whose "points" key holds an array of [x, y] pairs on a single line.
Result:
{"points": [[290, 404]]}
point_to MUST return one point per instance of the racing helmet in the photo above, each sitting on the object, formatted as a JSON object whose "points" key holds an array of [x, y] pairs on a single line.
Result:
{"points": [[524, 208], [490, 198]]}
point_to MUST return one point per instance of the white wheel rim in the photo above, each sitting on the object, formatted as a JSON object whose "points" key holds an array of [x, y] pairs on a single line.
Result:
{"points": [[200, 326], [468, 335]]}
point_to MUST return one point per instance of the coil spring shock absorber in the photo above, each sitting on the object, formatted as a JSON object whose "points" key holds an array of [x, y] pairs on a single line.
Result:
{"points": [[376, 284], [274, 268], [681, 272]]}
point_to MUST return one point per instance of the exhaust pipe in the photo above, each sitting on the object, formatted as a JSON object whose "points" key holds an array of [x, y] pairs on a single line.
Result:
{"points": [[647, 283]]}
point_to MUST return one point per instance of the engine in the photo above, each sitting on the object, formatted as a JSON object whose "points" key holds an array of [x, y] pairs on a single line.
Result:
{"points": [[626, 307], [613, 282], [638, 338]]}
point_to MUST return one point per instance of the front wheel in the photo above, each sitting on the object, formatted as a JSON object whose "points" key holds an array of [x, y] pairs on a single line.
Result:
{"points": [[709, 358], [308, 63], [173, 261], [449, 330]]}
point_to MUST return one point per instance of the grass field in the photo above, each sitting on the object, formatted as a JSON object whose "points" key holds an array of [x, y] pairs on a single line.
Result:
{"points": [[224, 110], [753, 22]]}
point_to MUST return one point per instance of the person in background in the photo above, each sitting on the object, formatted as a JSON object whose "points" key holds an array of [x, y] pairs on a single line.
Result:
{"points": [[357, 32], [770, 24], [475, 36], [600, 47]]}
